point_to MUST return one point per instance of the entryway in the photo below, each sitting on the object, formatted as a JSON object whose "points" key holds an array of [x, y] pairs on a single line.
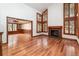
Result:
{"points": [[18, 31]]}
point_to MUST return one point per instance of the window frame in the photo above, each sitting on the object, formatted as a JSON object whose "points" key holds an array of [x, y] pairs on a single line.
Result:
{"points": [[74, 18], [42, 21]]}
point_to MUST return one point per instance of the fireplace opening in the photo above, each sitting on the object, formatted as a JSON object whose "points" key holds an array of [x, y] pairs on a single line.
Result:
{"points": [[55, 31]]}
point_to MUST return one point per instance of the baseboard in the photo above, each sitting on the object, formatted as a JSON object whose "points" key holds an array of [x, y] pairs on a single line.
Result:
{"points": [[40, 35], [70, 39], [4, 43], [49, 36]]}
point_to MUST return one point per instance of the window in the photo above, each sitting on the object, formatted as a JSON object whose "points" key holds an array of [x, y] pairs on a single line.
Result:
{"points": [[45, 21], [9, 27], [42, 22], [39, 22], [12, 27], [70, 18]]}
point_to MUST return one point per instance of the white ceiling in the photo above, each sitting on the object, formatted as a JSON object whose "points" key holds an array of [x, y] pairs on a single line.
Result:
{"points": [[39, 6]]}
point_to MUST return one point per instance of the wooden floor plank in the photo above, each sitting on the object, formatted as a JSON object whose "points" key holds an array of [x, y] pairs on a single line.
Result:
{"points": [[41, 46]]}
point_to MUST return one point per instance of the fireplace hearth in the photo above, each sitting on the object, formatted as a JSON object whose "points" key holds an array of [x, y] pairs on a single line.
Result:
{"points": [[55, 31]]}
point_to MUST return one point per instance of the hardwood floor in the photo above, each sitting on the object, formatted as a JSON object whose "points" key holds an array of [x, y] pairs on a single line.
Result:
{"points": [[41, 46]]}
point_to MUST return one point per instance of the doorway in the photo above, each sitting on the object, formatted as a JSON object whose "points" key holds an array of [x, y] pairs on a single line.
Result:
{"points": [[19, 31]]}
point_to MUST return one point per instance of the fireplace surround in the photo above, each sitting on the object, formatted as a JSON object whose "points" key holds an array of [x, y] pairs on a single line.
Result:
{"points": [[55, 31]]}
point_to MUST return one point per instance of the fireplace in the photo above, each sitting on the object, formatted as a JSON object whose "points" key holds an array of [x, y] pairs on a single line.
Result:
{"points": [[55, 31]]}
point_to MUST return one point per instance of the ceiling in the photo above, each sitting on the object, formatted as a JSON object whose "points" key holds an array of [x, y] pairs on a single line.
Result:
{"points": [[39, 6]]}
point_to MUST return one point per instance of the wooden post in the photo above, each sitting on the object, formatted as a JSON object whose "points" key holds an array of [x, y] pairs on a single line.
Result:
{"points": [[78, 22], [0, 43]]}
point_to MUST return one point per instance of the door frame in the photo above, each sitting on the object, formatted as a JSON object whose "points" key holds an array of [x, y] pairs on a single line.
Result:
{"points": [[18, 19]]}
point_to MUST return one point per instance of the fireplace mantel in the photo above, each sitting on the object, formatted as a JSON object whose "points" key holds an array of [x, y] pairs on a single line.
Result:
{"points": [[55, 28]]}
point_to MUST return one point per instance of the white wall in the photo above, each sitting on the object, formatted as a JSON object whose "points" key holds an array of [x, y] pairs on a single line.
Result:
{"points": [[16, 10], [55, 14], [26, 26], [55, 17], [78, 40]]}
